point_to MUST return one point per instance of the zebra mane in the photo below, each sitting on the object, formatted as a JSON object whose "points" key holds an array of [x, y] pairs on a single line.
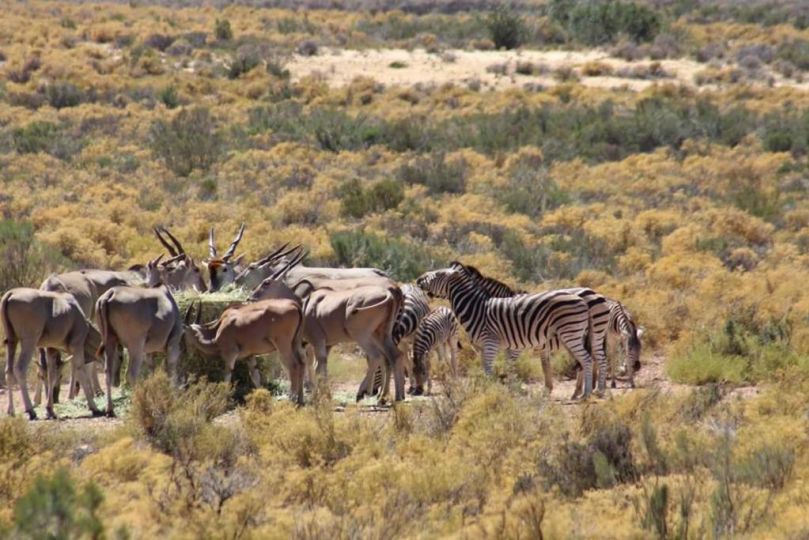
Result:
{"points": [[490, 285]]}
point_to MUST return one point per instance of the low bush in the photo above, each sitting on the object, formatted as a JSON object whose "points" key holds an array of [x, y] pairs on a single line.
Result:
{"points": [[62, 94]]}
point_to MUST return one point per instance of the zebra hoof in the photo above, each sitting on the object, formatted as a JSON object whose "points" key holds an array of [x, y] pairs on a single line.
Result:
{"points": [[418, 391], [32, 415]]}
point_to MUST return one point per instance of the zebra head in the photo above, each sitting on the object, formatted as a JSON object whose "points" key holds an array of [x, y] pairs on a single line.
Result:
{"points": [[436, 283]]}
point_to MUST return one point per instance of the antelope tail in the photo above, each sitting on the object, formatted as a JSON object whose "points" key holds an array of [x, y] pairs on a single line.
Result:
{"points": [[103, 323]]}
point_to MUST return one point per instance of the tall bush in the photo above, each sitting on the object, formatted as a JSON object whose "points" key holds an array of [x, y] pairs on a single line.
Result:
{"points": [[189, 141]]}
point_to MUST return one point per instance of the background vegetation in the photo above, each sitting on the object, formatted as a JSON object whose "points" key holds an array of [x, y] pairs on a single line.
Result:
{"points": [[687, 201]]}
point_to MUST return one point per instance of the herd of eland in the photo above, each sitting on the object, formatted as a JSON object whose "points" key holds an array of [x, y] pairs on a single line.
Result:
{"points": [[298, 311]]}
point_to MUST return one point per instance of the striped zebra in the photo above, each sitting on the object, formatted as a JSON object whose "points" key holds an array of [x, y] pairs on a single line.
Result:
{"points": [[622, 325], [517, 322], [599, 312], [414, 308], [438, 331]]}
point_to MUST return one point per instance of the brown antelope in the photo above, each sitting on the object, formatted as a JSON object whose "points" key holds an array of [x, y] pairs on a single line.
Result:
{"points": [[144, 321], [85, 293], [364, 315], [223, 270], [33, 318], [180, 272], [250, 329]]}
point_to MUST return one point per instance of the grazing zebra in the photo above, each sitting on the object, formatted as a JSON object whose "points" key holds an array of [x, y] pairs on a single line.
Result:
{"points": [[439, 331], [599, 312], [414, 308], [621, 324], [518, 322]]}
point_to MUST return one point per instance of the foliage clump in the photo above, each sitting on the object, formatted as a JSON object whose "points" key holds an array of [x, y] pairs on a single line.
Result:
{"points": [[189, 141]]}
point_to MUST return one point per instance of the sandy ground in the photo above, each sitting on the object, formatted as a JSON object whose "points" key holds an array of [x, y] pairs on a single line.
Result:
{"points": [[343, 387], [403, 67]]}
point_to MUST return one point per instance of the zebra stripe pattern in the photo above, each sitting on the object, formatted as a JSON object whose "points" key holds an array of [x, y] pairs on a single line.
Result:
{"points": [[438, 331], [597, 305], [518, 322], [622, 324]]}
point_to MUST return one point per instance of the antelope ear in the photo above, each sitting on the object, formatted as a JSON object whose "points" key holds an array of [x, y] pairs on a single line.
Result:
{"points": [[238, 260]]}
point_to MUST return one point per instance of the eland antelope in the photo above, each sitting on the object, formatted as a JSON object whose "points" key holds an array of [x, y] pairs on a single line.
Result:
{"points": [[256, 328], [144, 321], [223, 270], [364, 315], [53, 320]]}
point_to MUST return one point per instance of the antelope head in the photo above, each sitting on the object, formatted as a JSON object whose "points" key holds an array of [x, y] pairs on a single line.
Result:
{"points": [[223, 270], [256, 272], [180, 271], [274, 286]]}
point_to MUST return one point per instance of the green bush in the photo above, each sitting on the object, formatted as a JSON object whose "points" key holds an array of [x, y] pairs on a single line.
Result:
{"points": [[222, 30], [54, 508], [25, 260], [189, 141], [46, 137], [402, 259], [597, 23], [435, 171], [506, 28], [356, 201], [246, 59], [169, 96], [63, 94]]}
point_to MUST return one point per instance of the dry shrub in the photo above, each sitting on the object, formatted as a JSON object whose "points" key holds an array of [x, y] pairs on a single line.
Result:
{"points": [[596, 69]]}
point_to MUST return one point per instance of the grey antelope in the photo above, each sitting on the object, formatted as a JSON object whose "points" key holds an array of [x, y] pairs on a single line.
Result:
{"points": [[144, 321], [518, 322], [622, 325], [437, 331], [223, 270], [250, 329], [363, 314], [33, 318], [257, 271], [300, 272], [415, 307], [178, 272]]}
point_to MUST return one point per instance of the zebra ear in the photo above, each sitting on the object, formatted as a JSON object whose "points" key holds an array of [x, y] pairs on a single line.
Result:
{"points": [[455, 265], [640, 332]]}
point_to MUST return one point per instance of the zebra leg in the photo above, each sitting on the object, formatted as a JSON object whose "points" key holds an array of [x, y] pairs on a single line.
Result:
{"points": [[601, 361], [490, 348], [545, 358], [575, 345]]}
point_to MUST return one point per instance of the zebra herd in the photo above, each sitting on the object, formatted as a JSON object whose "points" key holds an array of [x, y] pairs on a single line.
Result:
{"points": [[301, 312]]}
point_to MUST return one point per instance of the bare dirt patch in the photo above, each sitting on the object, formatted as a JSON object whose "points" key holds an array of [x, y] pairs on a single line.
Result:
{"points": [[493, 70]]}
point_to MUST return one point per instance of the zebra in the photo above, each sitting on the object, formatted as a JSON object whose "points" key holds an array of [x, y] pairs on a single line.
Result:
{"points": [[599, 312], [414, 308], [518, 322], [621, 324], [439, 331]]}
